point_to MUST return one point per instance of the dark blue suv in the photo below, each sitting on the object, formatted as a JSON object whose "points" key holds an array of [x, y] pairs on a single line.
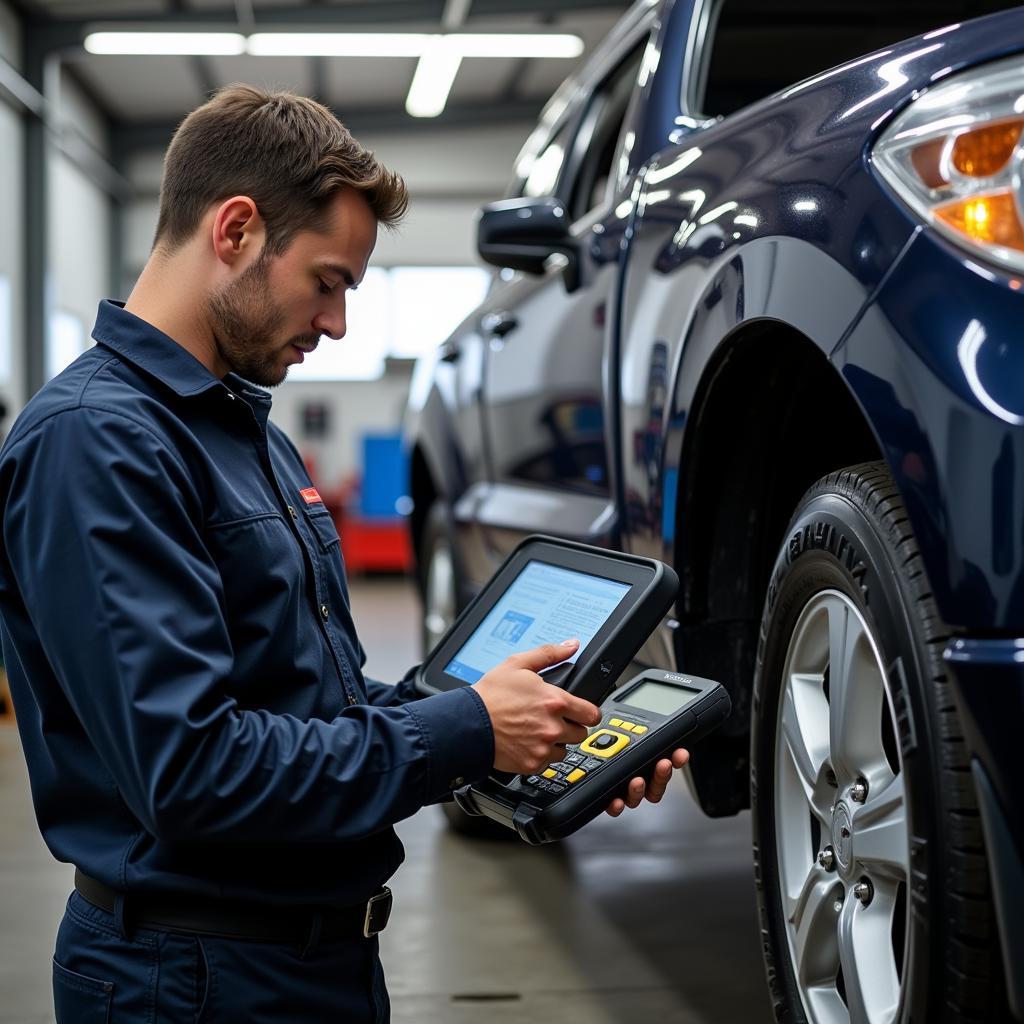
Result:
{"points": [[759, 315]]}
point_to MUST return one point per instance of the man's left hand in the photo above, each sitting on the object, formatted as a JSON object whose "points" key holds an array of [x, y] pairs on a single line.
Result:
{"points": [[655, 789]]}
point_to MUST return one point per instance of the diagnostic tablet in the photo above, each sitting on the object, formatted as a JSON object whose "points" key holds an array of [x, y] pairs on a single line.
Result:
{"points": [[549, 590]]}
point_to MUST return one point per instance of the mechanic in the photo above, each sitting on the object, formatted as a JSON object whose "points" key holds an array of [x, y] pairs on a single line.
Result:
{"points": [[201, 742]]}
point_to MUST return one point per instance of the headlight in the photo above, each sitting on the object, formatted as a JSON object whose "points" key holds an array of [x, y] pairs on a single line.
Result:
{"points": [[956, 157]]}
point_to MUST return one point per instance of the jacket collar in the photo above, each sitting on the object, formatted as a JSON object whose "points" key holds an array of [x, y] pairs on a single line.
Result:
{"points": [[151, 350]]}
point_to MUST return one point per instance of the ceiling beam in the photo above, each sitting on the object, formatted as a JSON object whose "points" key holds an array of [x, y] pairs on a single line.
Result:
{"points": [[514, 81], [202, 70], [318, 79], [128, 137]]}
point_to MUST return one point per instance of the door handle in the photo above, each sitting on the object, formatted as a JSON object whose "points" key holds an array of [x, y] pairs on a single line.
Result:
{"points": [[499, 324]]}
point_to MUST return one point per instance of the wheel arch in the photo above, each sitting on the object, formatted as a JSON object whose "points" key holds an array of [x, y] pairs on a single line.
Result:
{"points": [[741, 475]]}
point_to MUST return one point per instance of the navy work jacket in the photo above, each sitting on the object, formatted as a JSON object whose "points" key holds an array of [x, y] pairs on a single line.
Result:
{"points": [[177, 631]]}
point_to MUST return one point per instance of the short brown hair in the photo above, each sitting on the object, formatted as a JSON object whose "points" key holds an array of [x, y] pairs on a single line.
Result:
{"points": [[288, 153]]}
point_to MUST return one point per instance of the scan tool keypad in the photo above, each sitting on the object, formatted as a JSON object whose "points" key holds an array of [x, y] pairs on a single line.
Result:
{"points": [[605, 742]]}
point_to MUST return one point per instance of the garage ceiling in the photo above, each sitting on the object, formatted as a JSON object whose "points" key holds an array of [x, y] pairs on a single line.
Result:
{"points": [[139, 90]]}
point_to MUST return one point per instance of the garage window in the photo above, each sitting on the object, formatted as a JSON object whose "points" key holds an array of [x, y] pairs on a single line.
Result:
{"points": [[396, 313]]}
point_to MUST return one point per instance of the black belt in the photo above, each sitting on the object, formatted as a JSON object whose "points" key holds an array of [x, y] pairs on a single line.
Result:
{"points": [[236, 919]]}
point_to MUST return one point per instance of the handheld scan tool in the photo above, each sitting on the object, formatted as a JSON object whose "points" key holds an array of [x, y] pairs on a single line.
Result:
{"points": [[551, 590], [641, 722]]}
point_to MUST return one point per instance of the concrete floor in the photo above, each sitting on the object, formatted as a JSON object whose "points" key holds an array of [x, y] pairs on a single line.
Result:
{"points": [[649, 917]]}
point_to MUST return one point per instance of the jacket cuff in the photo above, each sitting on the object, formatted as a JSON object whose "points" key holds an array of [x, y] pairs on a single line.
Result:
{"points": [[457, 731]]}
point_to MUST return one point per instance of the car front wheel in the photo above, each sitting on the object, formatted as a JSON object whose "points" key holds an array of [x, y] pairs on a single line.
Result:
{"points": [[871, 874]]}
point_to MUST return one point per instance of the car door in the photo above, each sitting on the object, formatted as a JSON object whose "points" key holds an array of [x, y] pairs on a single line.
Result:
{"points": [[545, 414]]}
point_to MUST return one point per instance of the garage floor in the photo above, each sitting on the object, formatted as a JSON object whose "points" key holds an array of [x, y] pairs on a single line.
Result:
{"points": [[649, 917]]}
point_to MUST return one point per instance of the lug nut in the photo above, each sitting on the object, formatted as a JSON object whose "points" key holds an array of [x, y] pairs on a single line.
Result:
{"points": [[827, 858], [864, 891], [837, 906], [859, 792]]}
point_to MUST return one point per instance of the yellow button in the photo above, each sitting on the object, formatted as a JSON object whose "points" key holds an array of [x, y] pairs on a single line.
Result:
{"points": [[549, 773], [575, 775], [628, 726], [615, 721], [639, 729], [597, 745]]}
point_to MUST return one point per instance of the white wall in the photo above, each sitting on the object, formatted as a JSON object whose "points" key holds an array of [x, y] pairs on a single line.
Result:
{"points": [[12, 240], [79, 222], [450, 173], [78, 229]]}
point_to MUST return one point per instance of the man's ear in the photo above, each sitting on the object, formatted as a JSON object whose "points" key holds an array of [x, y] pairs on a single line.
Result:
{"points": [[238, 230]]}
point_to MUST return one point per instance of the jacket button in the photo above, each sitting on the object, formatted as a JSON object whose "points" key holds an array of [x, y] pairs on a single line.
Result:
{"points": [[324, 612]]}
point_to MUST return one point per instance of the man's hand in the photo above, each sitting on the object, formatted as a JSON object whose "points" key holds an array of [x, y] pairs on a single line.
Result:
{"points": [[532, 719], [653, 790]]}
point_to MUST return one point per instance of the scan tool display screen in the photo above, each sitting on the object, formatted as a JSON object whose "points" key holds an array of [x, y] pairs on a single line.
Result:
{"points": [[544, 604], [660, 697]]}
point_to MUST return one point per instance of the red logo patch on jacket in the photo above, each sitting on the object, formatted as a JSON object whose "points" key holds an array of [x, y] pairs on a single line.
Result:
{"points": [[311, 496]]}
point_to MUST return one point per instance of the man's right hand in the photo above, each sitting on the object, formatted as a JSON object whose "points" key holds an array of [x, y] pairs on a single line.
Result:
{"points": [[532, 719]]}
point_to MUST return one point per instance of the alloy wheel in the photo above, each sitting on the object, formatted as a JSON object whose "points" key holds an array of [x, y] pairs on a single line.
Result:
{"points": [[841, 818]]}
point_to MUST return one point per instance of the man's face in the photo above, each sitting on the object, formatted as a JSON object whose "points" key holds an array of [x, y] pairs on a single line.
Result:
{"points": [[275, 312]]}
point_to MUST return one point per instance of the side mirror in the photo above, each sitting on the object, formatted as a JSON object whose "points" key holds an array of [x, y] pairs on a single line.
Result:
{"points": [[524, 233]]}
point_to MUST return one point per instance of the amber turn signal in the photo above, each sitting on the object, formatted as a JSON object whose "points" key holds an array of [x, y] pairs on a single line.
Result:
{"points": [[992, 219], [985, 151]]}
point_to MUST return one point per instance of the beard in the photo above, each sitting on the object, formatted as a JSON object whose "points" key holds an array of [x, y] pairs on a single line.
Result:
{"points": [[245, 324]]}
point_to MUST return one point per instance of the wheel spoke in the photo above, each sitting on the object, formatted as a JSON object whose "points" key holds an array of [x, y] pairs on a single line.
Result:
{"points": [[807, 754], [855, 696], [812, 917], [865, 952], [882, 840]]}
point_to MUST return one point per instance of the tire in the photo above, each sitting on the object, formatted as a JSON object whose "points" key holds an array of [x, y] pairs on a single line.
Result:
{"points": [[439, 581], [439, 577], [850, 688]]}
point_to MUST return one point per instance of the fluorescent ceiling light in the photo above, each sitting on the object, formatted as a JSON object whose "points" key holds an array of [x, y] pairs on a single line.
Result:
{"points": [[500, 44], [339, 44], [411, 44], [433, 80], [215, 44], [335, 44]]}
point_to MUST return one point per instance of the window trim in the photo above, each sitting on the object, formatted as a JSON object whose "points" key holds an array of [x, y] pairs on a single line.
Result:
{"points": [[574, 115], [698, 57], [592, 112]]}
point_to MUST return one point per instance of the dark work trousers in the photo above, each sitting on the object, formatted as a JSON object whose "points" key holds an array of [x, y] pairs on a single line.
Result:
{"points": [[157, 977]]}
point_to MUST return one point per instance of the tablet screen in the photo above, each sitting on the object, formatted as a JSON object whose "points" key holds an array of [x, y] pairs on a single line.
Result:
{"points": [[544, 604]]}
